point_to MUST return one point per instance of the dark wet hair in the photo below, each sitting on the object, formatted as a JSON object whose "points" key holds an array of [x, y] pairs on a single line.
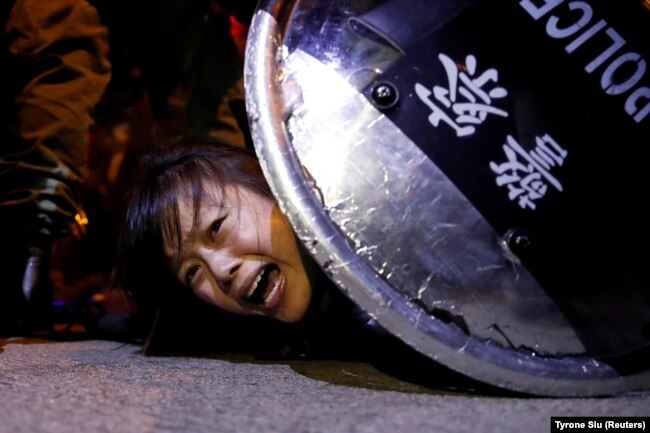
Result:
{"points": [[174, 170]]}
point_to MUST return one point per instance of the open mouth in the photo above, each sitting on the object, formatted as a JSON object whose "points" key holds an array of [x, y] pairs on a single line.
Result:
{"points": [[265, 285]]}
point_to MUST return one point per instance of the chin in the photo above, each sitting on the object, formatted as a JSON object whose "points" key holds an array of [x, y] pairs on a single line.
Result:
{"points": [[291, 317], [294, 312]]}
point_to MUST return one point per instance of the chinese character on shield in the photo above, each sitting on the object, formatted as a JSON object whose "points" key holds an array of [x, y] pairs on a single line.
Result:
{"points": [[527, 174], [465, 102]]}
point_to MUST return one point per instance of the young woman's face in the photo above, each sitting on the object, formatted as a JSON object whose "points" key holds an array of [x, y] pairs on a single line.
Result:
{"points": [[241, 256]]}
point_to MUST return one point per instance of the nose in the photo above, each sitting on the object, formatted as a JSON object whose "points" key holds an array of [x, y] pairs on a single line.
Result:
{"points": [[223, 266]]}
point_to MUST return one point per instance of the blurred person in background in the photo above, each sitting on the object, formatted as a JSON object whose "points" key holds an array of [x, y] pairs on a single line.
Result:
{"points": [[176, 70], [55, 65]]}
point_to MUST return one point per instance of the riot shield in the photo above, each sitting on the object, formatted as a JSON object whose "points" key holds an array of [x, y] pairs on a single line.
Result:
{"points": [[470, 174]]}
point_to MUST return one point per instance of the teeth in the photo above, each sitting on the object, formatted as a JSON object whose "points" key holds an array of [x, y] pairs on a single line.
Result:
{"points": [[260, 295], [254, 285], [275, 287], [278, 283]]}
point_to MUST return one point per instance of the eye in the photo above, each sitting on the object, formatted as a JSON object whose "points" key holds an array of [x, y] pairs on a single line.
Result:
{"points": [[216, 226], [190, 274]]}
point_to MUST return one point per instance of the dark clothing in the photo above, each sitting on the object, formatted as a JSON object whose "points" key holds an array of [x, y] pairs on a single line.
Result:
{"points": [[54, 60], [189, 63]]}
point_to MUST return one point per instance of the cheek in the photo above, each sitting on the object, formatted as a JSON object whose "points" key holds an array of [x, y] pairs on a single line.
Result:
{"points": [[206, 294], [218, 299], [282, 240], [297, 303]]}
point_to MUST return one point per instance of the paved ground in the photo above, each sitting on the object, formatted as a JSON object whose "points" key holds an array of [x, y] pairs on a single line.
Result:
{"points": [[106, 386]]}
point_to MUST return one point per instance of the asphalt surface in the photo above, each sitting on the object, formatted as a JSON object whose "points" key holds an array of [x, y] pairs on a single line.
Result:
{"points": [[106, 386]]}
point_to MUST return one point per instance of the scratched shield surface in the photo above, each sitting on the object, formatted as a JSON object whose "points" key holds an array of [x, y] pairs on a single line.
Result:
{"points": [[469, 175]]}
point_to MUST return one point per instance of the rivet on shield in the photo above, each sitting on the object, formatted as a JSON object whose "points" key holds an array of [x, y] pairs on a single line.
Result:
{"points": [[384, 95]]}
